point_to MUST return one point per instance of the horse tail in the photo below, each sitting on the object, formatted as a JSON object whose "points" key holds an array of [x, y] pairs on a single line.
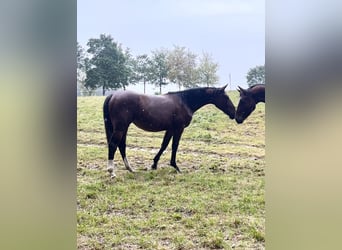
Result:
{"points": [[106, 117]]}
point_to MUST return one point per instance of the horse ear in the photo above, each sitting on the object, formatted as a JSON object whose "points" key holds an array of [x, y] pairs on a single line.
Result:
{"points": [[241, 90], [224, 87]]}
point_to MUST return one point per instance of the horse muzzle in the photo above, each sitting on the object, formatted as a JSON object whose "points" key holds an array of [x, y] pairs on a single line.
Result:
{"points": [[239, 120]]}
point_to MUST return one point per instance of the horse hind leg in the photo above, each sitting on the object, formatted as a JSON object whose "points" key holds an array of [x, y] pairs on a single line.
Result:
{"points": [[113, 143], [122, 148], [111, 152]]}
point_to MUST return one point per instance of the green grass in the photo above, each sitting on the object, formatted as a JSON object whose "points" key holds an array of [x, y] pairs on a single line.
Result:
{"points": [[216, 203]]}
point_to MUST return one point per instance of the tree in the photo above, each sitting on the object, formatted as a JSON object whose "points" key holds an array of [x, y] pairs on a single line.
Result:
{"points": [[256, 75], [82, 67], [109, 66], [80, 64], [80, 56], [159, 68], [176, 63], [207, 70], [182, 67], [142, 70], [128, 69], [191, 73]]}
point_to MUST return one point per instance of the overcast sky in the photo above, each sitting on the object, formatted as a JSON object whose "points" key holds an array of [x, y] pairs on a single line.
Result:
{"points": [[233, 31]]}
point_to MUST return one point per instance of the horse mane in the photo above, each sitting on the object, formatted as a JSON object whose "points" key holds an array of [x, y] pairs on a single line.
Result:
{"points": [[186, 90], [193, 90], [259, 96], [194, 97], [256, 85]]}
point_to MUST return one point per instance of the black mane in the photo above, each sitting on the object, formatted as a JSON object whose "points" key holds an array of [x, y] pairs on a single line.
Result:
{"points": [[257, 85], [195, 98], [189, 90], [259, 96]]}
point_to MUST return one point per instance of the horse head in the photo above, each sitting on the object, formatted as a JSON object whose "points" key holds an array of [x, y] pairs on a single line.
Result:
{"points": [[246, 105], [222, 101]]}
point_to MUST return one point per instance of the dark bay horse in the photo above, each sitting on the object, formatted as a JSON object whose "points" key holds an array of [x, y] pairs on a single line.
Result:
{"points": [[248, 100], [171, 112]]}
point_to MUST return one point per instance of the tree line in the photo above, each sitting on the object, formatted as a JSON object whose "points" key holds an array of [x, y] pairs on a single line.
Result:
{"points": [[106, 64]]}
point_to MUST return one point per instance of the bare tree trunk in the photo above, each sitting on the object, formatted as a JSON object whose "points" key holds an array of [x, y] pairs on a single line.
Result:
{"points": [[144, 86], [160, 85], [103, 90]]}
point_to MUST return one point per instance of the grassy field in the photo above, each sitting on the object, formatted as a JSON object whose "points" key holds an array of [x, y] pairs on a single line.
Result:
{"points": [[217, 202]]}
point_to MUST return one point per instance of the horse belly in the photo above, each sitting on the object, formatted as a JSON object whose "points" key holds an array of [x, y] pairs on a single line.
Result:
{"points": [[158, 114], [152, 124]]}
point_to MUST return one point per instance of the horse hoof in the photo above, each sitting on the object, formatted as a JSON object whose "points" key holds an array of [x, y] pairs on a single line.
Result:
{"points": [[112, 176], [176, 168]]}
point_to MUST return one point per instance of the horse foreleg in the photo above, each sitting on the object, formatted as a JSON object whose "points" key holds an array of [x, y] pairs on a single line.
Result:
{"points": [[165, 143], [122, 148], [175, 143]]}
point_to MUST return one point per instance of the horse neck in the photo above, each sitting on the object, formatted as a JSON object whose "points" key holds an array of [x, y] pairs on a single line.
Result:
{"points": [[258, 94], [195, 100]]}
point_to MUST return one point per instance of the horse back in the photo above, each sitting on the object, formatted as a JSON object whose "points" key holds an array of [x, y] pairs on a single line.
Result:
{"points": [[148, 112]]}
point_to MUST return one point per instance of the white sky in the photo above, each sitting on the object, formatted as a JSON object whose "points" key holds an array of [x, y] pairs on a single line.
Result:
{"points": [[233, 31]]}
